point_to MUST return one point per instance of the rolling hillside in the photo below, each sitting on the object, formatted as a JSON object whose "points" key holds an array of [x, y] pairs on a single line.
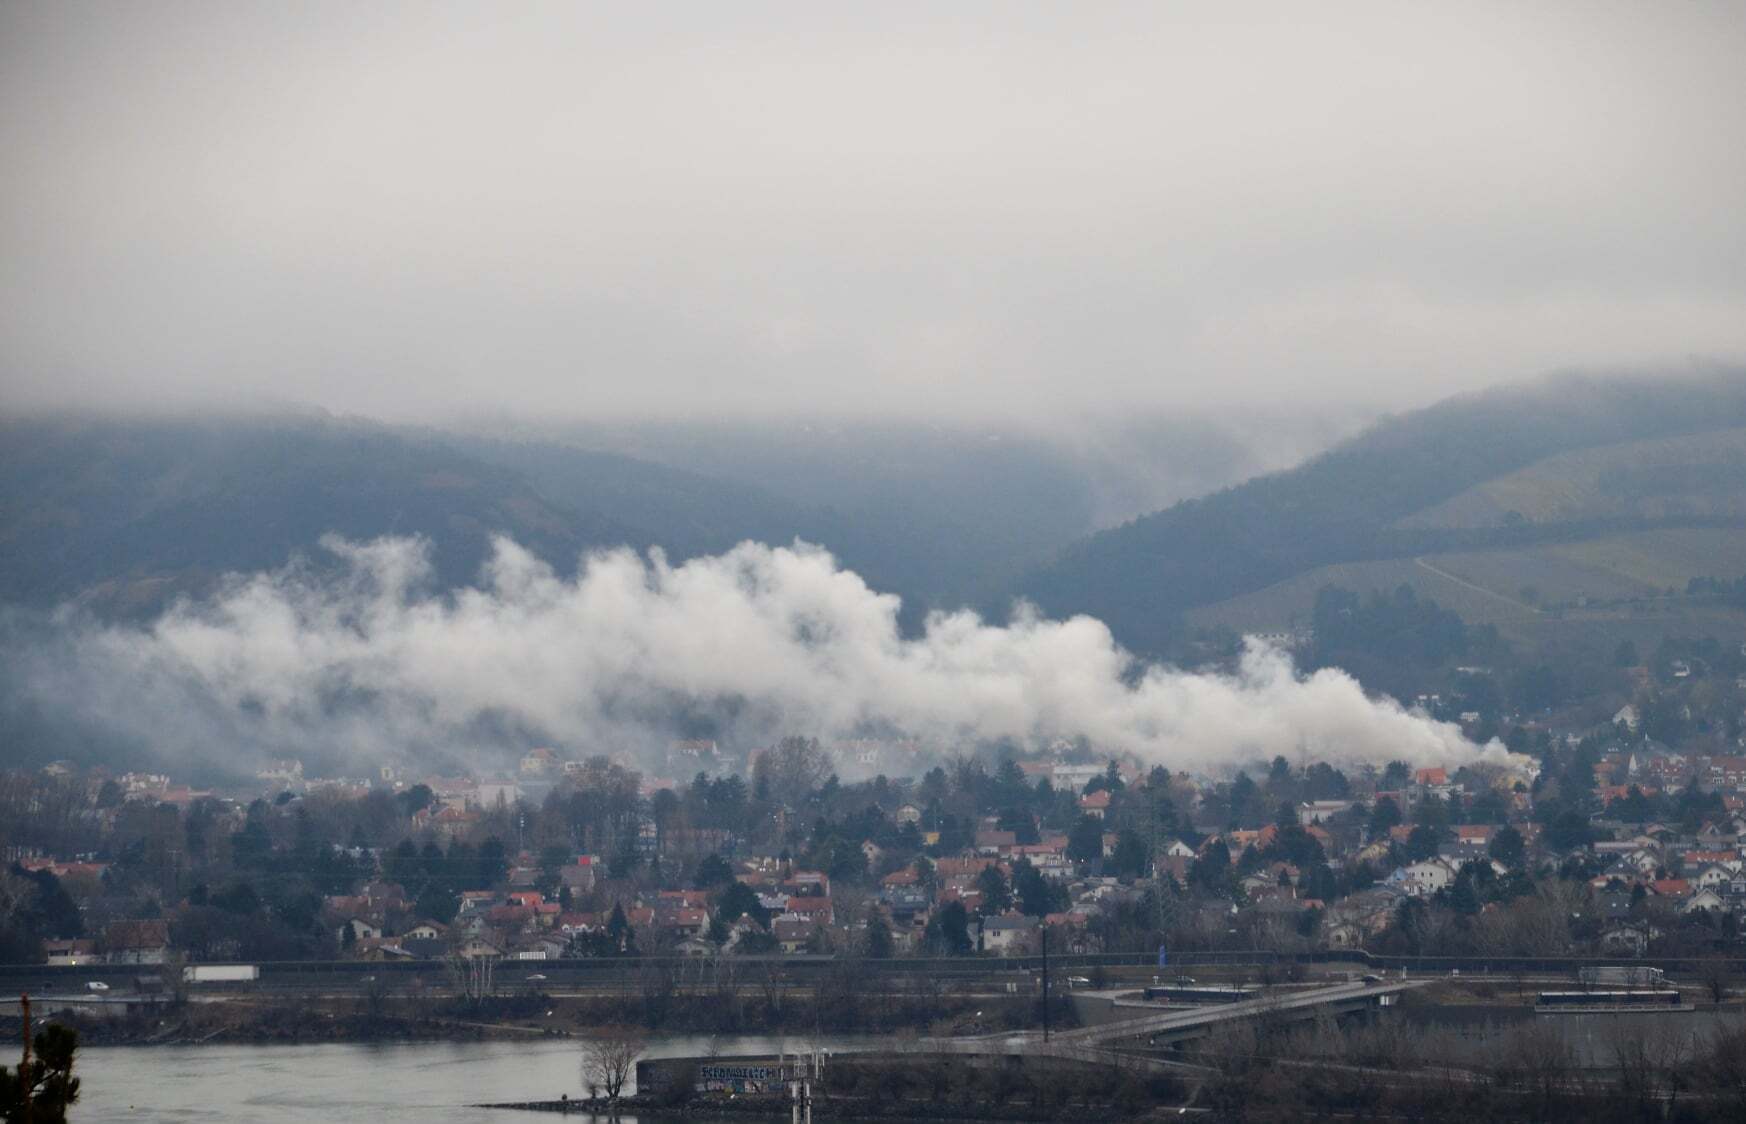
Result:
{"points": [[1498, 505], [1552, 598], [124, 515], [1699, 476]]}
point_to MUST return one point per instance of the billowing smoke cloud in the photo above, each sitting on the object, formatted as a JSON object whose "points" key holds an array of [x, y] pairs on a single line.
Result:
{"points": [[362, 659]]}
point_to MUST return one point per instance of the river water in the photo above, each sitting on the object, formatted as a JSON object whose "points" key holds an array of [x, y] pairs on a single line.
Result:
{"points": [[427, 1082], [435, 1082]]}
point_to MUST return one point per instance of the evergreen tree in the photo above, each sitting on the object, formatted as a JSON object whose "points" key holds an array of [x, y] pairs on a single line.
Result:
{"points": [[879, 942], [1423, 843], [740, 900], [996, 894], [620, 936], [437, 904], [948, 930], [1035, 895], [1130, 858], [1385, 815], [1085, 842], [1463, 898], [1507, 847], [43, 1094], [1211, 872], [712, 871]]}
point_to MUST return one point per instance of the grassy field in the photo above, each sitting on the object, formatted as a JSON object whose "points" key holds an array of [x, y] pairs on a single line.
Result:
{"points": [[1596, 591], [1663, 559], [1699, 475]]}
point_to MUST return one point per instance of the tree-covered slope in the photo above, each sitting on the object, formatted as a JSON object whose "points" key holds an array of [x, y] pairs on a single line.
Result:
{"points": [[125, 514], [685, 513]]}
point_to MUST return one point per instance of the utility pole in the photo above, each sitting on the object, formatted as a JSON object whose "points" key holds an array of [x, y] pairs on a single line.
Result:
{"points": [[1045, 981], [24, 1080]]}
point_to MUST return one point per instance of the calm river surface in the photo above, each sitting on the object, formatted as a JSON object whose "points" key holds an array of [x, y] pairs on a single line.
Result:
{"points": [[431, 1083], [434, 1082]]}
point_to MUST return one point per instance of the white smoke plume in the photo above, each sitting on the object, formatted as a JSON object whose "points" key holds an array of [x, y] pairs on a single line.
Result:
{"points": [[363, 660]]}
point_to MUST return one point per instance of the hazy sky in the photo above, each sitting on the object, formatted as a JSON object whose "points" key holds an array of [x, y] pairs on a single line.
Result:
{"points": [[1001, 209]]}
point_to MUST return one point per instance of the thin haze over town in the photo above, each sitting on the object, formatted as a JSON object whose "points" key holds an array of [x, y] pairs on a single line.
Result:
{"points": [[1001, 559]]}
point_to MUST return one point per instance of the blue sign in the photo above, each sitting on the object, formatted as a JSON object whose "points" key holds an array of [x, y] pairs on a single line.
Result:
{"points": [[1161, 956]]}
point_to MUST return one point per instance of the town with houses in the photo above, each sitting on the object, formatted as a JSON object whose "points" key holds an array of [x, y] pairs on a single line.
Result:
{"points": [[1600, 842]]}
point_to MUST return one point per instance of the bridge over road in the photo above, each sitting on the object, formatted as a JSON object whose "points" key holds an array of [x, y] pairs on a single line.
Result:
{"points": [[1099, 1044], [1176, 1024]]}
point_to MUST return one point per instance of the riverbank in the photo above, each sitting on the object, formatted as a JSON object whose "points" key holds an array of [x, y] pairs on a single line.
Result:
{"points": [[841, 1110], [294, 1020], [884, 1086]]}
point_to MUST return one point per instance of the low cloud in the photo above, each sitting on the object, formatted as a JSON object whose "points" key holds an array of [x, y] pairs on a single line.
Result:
{"points": [[362, 661]]}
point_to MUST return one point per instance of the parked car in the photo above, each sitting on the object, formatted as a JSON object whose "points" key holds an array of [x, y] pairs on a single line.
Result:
{"points": [[97, 985]]}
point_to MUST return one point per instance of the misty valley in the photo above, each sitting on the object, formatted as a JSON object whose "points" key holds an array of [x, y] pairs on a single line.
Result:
{"points": [[990, 562], [427, 781]]}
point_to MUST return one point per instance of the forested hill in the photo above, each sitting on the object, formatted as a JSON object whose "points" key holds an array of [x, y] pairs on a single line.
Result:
{"points": [[1345, 504], [123, 515]]}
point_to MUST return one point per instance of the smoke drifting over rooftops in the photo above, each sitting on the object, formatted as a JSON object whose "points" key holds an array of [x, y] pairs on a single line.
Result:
{"points": [[364, 660]]}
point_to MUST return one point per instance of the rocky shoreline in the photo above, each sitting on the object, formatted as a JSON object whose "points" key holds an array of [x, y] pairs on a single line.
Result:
{"points": [[845, 1109]]}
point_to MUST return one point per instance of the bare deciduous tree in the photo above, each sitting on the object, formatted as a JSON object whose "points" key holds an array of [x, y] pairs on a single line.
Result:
{"points": [[173, 976], [610, 1058], [1648, 1056], [474, 977], [1716, 973], [377, 988], [1535, 1058]]}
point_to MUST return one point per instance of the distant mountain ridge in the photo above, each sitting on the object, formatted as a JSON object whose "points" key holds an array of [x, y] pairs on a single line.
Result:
{"points": [[124, 515], [1363, 499]]}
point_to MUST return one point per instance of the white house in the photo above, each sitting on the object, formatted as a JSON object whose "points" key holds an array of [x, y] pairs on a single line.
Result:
{"points": [[360, 929], [1318, 811], [1002, 933], [1703, 899], [1422, 879], [1713, 877]]}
